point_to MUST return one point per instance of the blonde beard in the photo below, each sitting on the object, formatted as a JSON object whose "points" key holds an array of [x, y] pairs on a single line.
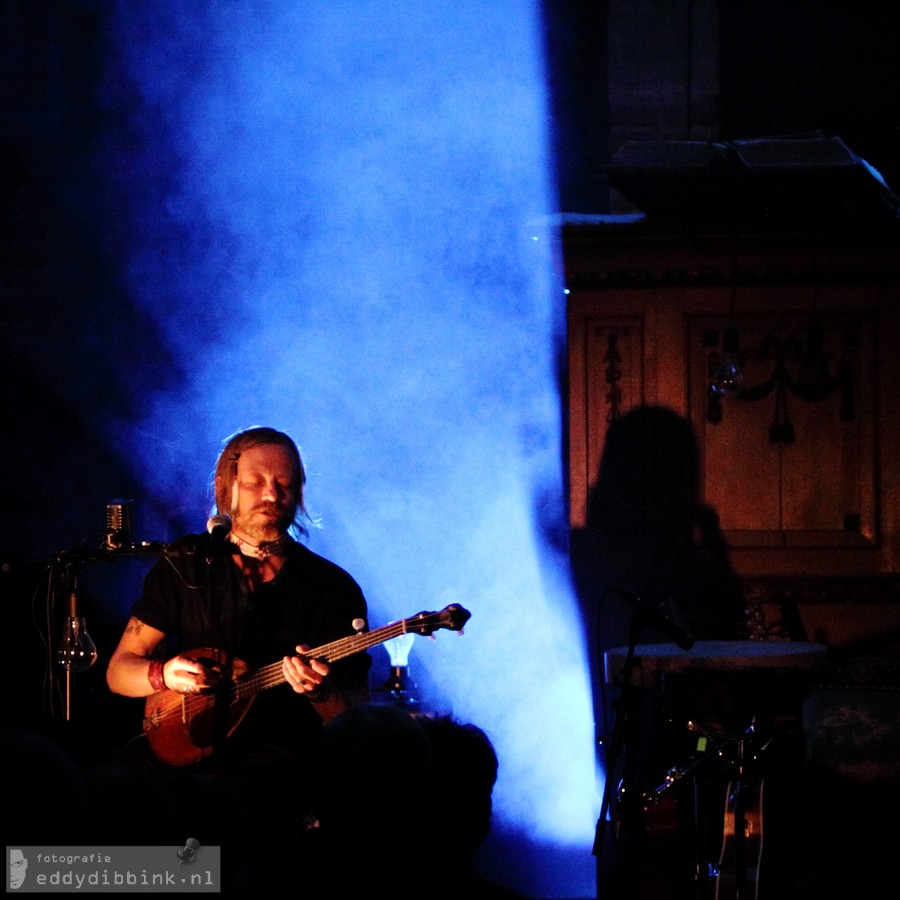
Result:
{"points": [[247, 527]]}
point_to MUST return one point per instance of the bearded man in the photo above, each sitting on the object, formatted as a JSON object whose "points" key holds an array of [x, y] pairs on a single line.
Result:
{"points": [[259, 598]]}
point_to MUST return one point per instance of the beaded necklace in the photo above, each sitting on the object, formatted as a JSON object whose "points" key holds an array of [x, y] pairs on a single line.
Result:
{"points": [[259, 551]]}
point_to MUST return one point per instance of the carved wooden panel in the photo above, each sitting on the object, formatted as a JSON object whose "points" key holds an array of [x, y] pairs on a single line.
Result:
{"points": [[790, 460], [613, 383], [803, 468]]}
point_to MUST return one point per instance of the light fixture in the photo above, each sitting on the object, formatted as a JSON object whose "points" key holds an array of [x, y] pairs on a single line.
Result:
{"points": [[398, 688], [76, 651], [728, 377]]}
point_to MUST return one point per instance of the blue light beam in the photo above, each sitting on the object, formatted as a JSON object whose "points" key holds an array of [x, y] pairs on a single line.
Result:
{"points": [[326, 206]]}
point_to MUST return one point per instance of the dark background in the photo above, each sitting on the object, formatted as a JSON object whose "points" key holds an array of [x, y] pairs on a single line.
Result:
{"points": [[76, 351]]}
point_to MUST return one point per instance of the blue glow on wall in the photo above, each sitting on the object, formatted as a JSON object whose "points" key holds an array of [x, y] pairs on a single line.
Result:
{"points": [[335, 214]]}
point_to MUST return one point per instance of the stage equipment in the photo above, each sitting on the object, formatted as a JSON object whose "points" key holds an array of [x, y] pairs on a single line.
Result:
{"points": [[728, 377], [399, 688], [652, 662], [734, 709], [76, 652], [119, 524]]}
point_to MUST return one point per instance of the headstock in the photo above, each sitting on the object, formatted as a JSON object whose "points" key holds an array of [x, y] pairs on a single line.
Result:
{"points": [[452, 617]]}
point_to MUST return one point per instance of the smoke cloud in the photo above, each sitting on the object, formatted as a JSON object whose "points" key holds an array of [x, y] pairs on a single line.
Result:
{"points": [[335, 213]]}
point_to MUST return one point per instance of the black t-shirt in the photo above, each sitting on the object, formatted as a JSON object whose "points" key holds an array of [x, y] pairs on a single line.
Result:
{"points": [[200, 599]]}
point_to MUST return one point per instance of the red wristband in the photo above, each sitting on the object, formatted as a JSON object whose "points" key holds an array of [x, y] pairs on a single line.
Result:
{"points": [[156, 676]]}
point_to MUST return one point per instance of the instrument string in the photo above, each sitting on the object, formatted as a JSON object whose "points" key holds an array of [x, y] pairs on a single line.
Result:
{"points": [[272, 674]]}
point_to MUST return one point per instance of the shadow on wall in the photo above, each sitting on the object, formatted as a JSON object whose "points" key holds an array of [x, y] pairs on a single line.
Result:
{"points": [[648, 543], [648, 534]]}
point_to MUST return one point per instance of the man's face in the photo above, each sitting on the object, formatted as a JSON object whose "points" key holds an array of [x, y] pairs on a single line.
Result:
{"points": [[18, 868], [266, 499]]}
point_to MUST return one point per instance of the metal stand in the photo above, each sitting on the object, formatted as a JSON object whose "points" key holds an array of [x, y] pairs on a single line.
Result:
{"points": [[617, 740], [708, 843]]}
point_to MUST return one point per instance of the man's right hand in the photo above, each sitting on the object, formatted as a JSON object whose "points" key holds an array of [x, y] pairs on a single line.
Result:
{"points": [[189, 676]]}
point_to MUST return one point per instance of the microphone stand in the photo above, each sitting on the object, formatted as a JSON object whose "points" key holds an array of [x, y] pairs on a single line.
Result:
{"points": [[622, 739], [618, 738], [76, 651]]}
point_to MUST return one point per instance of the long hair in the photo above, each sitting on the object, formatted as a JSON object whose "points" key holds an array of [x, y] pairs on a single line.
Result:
{"points": [[226, 469]]}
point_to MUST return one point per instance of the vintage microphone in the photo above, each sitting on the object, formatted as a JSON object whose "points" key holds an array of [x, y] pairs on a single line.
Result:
{"points": [[219, 528], [119, 524]]}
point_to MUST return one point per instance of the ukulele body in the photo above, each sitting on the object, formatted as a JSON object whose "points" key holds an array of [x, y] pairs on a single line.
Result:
{"points": [[185, 728]]}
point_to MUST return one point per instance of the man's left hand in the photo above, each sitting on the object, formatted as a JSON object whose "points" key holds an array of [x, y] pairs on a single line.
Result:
{"points": [[303, 674]]}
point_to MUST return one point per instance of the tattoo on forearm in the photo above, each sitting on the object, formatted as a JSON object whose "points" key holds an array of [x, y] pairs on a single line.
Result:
{"points": [[134, 626]]}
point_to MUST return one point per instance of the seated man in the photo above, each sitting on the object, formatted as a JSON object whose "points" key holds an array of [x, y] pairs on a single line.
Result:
{"points": [[261, 597]]}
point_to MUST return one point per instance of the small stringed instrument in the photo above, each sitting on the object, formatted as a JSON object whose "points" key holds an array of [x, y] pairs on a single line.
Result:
{"points": [[184, 728]]}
